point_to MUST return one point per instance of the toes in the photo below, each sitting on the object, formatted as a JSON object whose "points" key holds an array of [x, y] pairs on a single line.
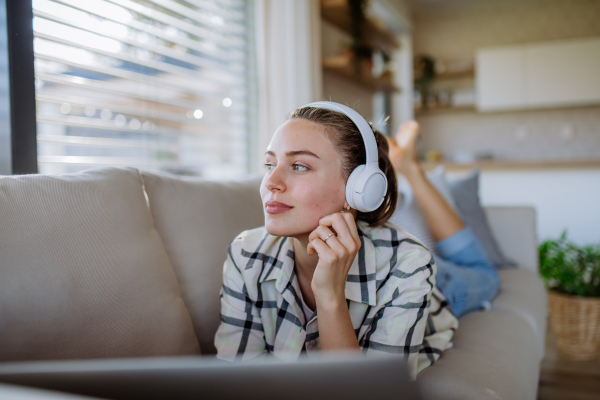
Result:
{"points": [[408, 132]]}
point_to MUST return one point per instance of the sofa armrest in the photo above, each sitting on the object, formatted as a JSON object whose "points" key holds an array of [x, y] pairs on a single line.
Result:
{"points": [[514, 228]]}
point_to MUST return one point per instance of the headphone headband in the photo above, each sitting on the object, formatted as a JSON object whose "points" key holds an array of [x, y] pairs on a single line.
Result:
{"points": [[362, 125]]}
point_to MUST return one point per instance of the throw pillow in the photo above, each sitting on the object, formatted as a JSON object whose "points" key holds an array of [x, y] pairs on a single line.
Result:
{"points": [[408, 214], [466, 194]]}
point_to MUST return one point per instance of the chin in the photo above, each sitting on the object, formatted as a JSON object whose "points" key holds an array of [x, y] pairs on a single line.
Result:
{"points": [[288, 227]]}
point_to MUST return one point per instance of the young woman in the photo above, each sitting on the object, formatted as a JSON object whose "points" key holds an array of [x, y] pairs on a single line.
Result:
{"points": [[465, 275], [321, 276]]}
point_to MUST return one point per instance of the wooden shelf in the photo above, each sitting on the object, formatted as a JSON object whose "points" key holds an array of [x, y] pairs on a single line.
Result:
{"points": [[467, 73], [337, 12], [452, 70], [516, 165], [441, 110], [343, 68]]}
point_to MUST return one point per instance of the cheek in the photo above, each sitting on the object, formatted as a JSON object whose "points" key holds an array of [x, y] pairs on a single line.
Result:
{"points": [[321, 201]]}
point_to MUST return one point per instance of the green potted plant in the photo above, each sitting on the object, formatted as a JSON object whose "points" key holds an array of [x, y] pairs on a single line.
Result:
{"points": [[572, 275]]}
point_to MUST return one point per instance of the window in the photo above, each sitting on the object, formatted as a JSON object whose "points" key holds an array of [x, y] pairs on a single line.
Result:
{"points": [[158, 84]]}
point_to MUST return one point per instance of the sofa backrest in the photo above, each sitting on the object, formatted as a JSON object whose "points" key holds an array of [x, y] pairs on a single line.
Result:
{"points": [[83, 271], [88, 270], [514, 229], [197, 220]]}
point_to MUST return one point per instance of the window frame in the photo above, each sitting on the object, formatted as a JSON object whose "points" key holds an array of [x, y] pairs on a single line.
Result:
{"points": [[21, 82]]}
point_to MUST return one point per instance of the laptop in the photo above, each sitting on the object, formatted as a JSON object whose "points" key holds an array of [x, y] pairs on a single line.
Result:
{"points": [[339, 376]]}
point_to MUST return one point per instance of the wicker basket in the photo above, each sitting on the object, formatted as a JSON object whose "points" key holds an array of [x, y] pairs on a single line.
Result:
{"points": [[575, 322]]}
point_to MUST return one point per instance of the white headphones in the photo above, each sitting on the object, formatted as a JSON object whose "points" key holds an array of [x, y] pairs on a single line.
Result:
{"points": [[367, 184]]}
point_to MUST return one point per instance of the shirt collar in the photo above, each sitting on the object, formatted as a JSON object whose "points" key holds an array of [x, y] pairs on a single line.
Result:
{"points": [[361, 286]]}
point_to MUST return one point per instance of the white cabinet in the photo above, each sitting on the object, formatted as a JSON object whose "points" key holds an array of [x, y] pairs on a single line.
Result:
{"points": [[500, 78], [554, 74]]}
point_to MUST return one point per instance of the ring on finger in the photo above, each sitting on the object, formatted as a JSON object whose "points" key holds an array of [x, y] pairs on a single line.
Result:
{"points": [[328, 236]]}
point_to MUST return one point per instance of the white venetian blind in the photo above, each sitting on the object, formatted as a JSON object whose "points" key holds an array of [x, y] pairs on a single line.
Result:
{"points": [[159, 84]]}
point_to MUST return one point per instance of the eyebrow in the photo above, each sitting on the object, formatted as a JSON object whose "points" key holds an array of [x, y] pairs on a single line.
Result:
{"points": [[296, 153]]}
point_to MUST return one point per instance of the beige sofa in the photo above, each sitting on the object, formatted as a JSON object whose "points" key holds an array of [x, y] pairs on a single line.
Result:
{"points": [[117, 262]]}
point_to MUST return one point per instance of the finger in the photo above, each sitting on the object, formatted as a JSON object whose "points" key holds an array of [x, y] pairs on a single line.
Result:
{"points": [[310, 249], [326, 254], [331, 240], [352, 227], [320, 232], [338, 247], [339, 222]]}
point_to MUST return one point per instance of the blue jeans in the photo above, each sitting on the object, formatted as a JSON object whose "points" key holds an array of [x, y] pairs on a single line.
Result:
{"points": [[464, 274]]}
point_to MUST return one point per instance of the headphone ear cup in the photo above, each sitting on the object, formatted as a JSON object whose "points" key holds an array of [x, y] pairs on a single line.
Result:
{"points": [[350, 192], [374, 190], [365, 189]]}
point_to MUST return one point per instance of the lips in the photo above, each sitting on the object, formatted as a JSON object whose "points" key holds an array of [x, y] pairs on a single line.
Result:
{"points": [[275, 207]]}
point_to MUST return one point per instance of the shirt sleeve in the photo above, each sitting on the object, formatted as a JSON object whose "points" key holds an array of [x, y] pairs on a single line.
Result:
{"points": [[240, 336], [398, 325]]}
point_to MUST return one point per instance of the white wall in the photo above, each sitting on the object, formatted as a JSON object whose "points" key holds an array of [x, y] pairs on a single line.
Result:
{"points": [[564, 199], [516, 135]]}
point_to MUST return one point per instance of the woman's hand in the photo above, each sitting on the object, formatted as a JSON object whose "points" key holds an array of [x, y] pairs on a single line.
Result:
{"points": [[336, 242], [403, 150]]}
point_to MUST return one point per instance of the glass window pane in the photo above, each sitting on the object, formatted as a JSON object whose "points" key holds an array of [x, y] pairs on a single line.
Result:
{"points": [[157, 84]]}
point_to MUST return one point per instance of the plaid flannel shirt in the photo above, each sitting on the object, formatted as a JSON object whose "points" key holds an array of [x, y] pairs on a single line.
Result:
{"points": [[390, 290]]}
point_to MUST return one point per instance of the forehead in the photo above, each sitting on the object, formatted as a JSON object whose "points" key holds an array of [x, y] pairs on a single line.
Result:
{"points": [[301, 134]]}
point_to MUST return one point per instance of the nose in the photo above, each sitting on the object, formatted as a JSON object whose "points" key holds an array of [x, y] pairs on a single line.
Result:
{"points": [[275, 180]]}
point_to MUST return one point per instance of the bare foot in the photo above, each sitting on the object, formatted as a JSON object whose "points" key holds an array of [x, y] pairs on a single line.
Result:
{"points": [[403, 150]]}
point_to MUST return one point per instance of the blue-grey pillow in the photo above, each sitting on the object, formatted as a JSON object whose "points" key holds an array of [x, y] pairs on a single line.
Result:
{"points": [[466, 196]]}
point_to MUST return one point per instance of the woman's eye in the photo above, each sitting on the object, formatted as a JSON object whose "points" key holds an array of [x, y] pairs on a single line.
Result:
{"points": [[300, 168], [269, 167]]}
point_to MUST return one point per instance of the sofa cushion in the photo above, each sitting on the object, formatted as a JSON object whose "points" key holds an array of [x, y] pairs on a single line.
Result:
{"points": [[523, 293], [494, 357], [197, 220], [84, 273], [514, 228], [466, 195]]}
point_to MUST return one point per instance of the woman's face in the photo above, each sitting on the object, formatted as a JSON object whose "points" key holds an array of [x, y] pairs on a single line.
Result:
{"points": [[304, 180]]}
